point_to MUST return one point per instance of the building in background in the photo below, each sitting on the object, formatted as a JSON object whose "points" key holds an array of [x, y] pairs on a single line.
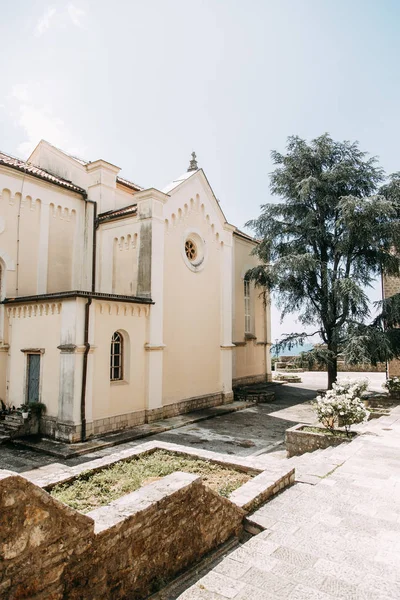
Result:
{"points": [[121, 305]]}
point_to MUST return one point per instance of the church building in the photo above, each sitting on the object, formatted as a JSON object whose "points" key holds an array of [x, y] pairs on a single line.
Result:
{"points": [[121, 305]]}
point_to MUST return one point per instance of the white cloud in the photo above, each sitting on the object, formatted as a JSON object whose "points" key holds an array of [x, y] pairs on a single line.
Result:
{"points": [[39, 122], [20, 92], [53, 17], [45, 20], [76, 14]]}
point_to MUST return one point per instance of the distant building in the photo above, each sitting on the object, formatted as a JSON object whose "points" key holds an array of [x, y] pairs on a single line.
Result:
{"points": [[121, 305]]}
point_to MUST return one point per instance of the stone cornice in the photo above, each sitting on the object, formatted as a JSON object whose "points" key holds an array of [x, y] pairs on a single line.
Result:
{"points": [[151, 193], [154, 347], [77, 294]]}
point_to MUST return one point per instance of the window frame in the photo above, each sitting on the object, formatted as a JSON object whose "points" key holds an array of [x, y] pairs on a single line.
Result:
{"points": [[247, 307], [119, 354]]}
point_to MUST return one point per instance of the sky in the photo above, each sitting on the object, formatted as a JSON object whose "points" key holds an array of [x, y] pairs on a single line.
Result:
{"points": [[143, 83]]}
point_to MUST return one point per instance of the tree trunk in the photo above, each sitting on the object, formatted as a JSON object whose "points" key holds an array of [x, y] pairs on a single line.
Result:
{"points": [[332, 371]]}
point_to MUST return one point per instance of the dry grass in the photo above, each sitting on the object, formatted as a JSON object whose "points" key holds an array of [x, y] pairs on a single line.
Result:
{"points": [[91, 490]]}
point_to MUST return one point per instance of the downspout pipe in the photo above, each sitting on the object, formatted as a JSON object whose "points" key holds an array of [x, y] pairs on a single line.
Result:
{"points": [[87, 323], [84, 370]]}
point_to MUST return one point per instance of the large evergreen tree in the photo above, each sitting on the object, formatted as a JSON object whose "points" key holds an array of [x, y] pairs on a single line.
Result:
{"points": [[326, 240]]}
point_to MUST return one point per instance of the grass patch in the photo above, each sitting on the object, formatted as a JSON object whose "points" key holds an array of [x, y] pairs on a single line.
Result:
{"points": [[91, 490]]}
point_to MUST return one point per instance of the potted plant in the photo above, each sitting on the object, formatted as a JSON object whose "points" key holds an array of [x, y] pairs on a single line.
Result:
{"points": [[24, 408], [340, 407]]}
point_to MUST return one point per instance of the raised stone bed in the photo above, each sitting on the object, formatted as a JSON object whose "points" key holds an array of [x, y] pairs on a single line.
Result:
{"points": [[384, 401], [299, 440], [257, 393], [91, 490], [287, 378], [129, 547]]}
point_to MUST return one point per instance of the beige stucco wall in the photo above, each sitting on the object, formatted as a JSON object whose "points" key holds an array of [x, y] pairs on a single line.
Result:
{"points": [[192, 300], [118, 246], [39, 245], [250, 357], [117, 398], [35, 327], [61, 245]]}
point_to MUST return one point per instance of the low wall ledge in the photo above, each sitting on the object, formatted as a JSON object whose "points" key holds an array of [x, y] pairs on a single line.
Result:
{"points": [[140, 500]]}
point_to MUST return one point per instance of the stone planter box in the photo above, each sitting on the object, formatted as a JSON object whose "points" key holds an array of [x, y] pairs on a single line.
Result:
{"points": [[299, 442], [376, 413], [131, 546], [386, 401], [287, 378]]}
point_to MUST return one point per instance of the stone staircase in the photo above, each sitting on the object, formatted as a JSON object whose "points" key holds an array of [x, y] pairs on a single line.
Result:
{"points": [[313, 467], [13, 426], [336, 538]]}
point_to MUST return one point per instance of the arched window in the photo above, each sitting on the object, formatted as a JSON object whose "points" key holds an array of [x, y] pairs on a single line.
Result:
{"points": [[116, 357], [247, 307]]}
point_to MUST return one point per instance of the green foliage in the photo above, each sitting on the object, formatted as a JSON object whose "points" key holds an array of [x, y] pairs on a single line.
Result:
{"points": [[392, 384], [37, 408], [326, 240]]}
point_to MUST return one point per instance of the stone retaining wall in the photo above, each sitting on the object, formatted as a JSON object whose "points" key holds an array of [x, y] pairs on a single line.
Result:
{"points": [[299, 442], [124, 550], [239, 381], [71, 432]]}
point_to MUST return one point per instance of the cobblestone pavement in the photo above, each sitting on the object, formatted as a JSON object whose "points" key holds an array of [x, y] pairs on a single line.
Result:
{"points": [[256, 430], [338, 537]]}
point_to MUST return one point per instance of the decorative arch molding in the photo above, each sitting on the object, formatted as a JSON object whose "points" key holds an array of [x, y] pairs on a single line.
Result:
{"points": [[25, 311], [123, 310], [195, 204], [7, 260], [13, 198], [127, 241], [62, 212]]}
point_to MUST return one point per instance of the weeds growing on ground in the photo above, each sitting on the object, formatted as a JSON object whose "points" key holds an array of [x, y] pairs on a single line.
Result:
{"points": [[91, 490]]}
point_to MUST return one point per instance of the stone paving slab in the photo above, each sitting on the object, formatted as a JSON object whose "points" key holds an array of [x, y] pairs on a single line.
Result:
{"points": [[337, 538], [108, 440]]}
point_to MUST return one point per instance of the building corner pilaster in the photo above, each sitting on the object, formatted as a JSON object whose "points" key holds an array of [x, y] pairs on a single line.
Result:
{"points": [[150, 205]]}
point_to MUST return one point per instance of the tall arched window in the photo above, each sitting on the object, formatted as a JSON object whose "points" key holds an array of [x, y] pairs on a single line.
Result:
{"points": [[247, 307], [116, 357]]}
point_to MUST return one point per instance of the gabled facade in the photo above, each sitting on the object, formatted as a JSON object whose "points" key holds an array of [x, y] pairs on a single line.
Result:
{"points": [[121, 305]]}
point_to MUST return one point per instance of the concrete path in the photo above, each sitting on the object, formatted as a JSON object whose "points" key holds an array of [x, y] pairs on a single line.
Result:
{"points": [[338, 537]]}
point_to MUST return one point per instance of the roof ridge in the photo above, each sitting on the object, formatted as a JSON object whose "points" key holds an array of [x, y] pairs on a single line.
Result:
{"points": [[32, 169]]}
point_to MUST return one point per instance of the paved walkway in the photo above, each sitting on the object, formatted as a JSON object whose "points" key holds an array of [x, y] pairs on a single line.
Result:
{"points": [[337, 536], [256, 430]]}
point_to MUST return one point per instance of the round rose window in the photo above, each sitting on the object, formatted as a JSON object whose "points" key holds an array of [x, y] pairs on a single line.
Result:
{"points": [[193, 250], [190, 250]]}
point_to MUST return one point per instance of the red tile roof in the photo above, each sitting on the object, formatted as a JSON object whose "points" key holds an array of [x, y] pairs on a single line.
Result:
{"points": [[120, 213], [30, 169], [129, 184]]}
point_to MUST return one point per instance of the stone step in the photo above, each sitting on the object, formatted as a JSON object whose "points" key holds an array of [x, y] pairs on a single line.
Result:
{"points": [[14, 418], [10, 425], [4, 438]]}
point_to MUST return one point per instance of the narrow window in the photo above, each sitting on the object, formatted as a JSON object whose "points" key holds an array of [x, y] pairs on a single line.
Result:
{"points": [[116, 357], [247, 314]]}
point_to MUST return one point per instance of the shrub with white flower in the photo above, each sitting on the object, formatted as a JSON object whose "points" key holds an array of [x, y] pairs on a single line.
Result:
{"points": [[342, 403], [392, 384]]}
